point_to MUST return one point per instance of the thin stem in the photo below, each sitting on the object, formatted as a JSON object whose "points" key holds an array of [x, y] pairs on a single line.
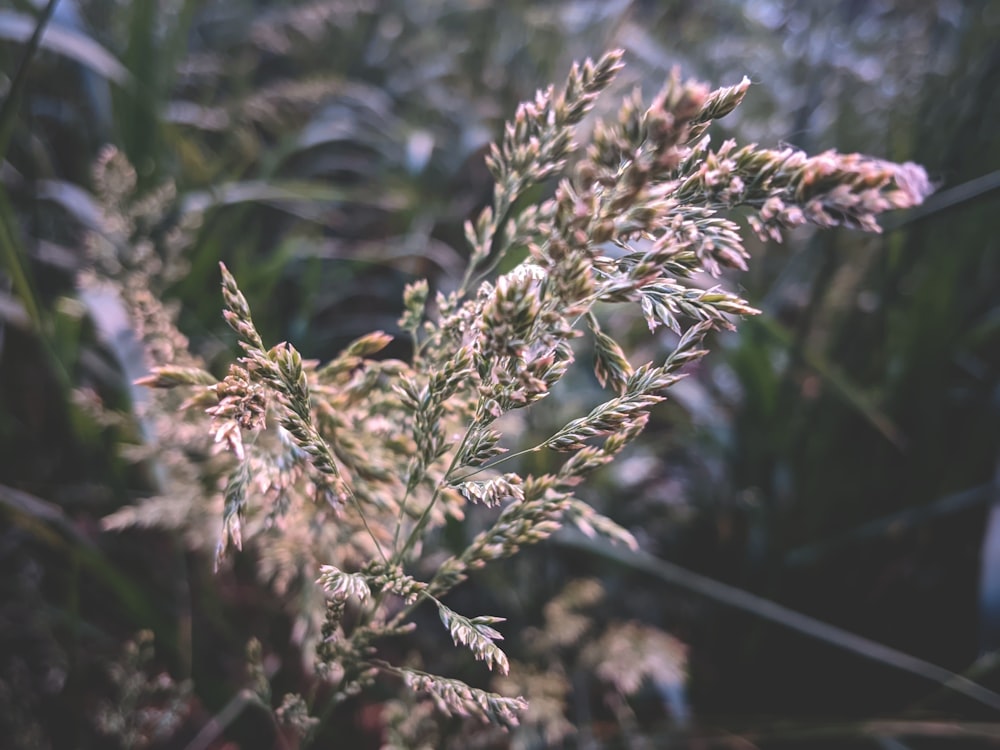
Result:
{"points": [[425, 516], [400, 517], [501, 211], [361, 514], [8, 109], [499, 461], [407, 608], [228, 714], [12, 260]]}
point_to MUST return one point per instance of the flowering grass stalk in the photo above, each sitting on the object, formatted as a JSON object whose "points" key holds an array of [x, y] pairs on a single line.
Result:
{"points": [[345, 473]]}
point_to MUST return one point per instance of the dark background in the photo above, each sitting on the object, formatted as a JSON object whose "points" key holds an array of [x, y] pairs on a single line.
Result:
{"points": [[837, 455]]}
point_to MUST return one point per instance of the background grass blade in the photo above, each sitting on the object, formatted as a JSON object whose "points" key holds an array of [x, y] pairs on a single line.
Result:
{"points": [[67, 42], [783, 616]]}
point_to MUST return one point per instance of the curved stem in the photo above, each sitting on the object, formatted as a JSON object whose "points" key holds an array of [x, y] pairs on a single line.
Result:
{"points": [[499, 461], [361, 513], [501, 210], [425, 516]]}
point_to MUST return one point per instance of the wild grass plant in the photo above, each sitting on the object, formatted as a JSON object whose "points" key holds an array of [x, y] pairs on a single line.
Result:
{"points": [[342, 479], [328, 146]]}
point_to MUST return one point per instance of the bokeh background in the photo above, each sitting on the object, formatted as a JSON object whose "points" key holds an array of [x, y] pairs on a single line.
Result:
{"points": [[837, 455]]}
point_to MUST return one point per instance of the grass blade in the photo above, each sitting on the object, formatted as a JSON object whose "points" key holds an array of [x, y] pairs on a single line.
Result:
{"points": [[781, 615], [70, 43]]}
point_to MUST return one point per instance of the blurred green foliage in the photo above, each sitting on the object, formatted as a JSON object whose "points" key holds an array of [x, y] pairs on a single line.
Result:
{"points": [[839, 454]]}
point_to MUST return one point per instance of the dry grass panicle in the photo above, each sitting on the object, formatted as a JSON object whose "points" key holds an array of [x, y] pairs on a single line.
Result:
{"points": [[342, 476]]}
